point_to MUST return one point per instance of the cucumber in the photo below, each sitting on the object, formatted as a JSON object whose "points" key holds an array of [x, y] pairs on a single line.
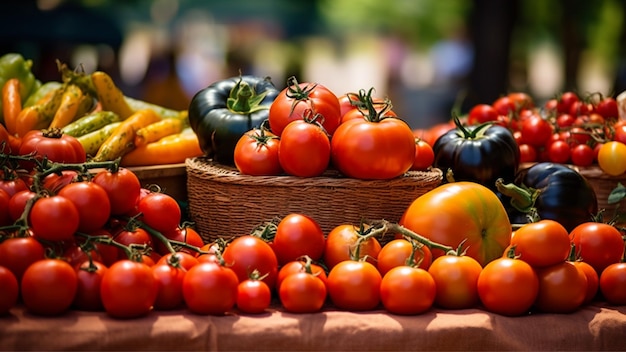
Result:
{"points": [[93, 140], [90, 123]]}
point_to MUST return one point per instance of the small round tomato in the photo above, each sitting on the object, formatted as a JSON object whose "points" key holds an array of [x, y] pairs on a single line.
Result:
{"points": [[582, 155], [482, 113], [18, 201], [302, 293], [559, 152], [298, 235], [536, 131], [247, 253], [210, 288], [89, 276], [53, 145], [565, 101], [11, 183], [169, 281], [48, 287], [181, 260], [160, 211], [542, 243], [612, 158], [456, 279], [256, 153], [18, 253], [407, 290], [505, 106], [253, 296], [128, 289], [5, 214], [123, 188], [613, 284], [9, 293], [593, 280], [598, 244], [527, 153], [92, 203], [562, 288], [508, 286], [299, 266], [304, 148], [397, 252], [424, 155], [180, 234], [353, 285], [608, 108], [54, 218], [132, 236], [341, 244]]}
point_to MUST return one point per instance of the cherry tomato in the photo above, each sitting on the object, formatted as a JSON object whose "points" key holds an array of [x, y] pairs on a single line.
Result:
{"points": [[608, 108], [298, 266], [505, 106], [593, 280], [527, 153], [181, 260], [128, 289], [456, 279], [5, 214], [256, 153], [559, 152], [562, 288], [304, 149], [612, 158], [582, 155], [581, 108], [89, 276], [598, 244], [482, 113], [92, 203], [565, 101], [565, 120], [160, 211], [397, 253], [210, 288], [613, 284], [302, 293], [54, 218], [11, 183], [353, 285], [169, 281], [536, 131], [253, 296], [407, 290], [298, 235], [424, 155], [542, 243], [123, 188], [48, 287], [9, 293], [132, 236], [342, 241], [180, 234], [18, 253], [18, 201], [247, 253]]}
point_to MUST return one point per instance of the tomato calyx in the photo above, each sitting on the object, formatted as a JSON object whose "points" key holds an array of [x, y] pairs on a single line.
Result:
{"points": [[369, 108], [298, 93], [243, 99]]}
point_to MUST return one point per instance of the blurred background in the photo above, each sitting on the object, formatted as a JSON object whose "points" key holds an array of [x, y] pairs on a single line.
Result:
{"points": [[425, 55]]}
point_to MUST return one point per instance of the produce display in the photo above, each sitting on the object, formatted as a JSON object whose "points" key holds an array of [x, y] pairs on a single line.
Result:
{"points": [[79, 231]]}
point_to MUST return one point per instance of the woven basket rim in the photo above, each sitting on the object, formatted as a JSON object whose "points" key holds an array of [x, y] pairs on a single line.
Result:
{"points": [[205, 168]]}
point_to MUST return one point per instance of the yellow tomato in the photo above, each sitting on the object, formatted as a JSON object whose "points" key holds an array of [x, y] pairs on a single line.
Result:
{"points": [[612, 158]]}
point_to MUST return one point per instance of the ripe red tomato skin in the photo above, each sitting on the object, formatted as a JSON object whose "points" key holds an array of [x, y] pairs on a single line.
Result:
{"points": [[258, 157], [160, 211], [302, 293], [123, 188], [128, 289], [456, 280], [304, 149], [17, 203], [424, 155], [541, 244], [298, 235], [396, 252], [185, 260], [253, 296], [18, 253], [247, 253], [298, 266], [613, 284], [528, 153], [481, 113], [598, 244], [565, 102], [169, 281], [48, 287], [5, 215], [608, 108], [582, 155], [593, 280], [12, 184], [132, 236], [88, 289], [407, 290], [508, 286], [340, 242], [559, 152], [562, 288], [536, 131], [354, 285], [9, 293], [92, 203], [210, 288], [63, 149], [54, 218]]}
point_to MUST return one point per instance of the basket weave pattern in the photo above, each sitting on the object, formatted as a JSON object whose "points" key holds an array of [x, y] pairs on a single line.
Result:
{"points": [[603, 184], [224, 203]]}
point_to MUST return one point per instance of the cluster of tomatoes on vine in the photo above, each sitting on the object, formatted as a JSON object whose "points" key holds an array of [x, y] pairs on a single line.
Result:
{"points": [[569, 128]]}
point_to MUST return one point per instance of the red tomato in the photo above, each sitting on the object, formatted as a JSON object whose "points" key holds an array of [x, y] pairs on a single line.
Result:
{"points": [[521, 100], [160, 211], [341, 243], [456, 279], [298, 235], [53, 145], [437, 131], [209, 288], [562, 288], [248, 253], [256, 153], [304, 149], [5, 213], [123, 188], [383, 109], [348, 102], [407, 290], [424, 155], [559, 152], [607, 107], [542, 243], [527, 153], [299, 266], [579, 135], [9, 293], [181, 234], [302, 293], [401, 252], [536, 131], [579, 108], [353, 285], [169, 281], [253, 296], [75, 254], [508, 286], [619, 132], [565, 120], [582, 155], [108, 252], [593, 280], [17, 203], [378, 149], [505, 106], [293, 102], [54, 218], [89, 277], [598, 244], [482, 113], [92, 203], [11, 183], [48, 287], [565, 102], [181, 260], [18, 253], [132, 236], [613, 284], [128, 289], [54, 182]]}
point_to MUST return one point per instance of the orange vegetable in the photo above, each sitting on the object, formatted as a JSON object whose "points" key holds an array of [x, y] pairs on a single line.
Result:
{"points": [[39, 116], [110, 96], [155, 131], [171, 149], [70, 102], [11, 103]]}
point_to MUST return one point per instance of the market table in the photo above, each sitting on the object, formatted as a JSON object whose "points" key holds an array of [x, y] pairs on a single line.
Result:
{"points": [[593, 327]]}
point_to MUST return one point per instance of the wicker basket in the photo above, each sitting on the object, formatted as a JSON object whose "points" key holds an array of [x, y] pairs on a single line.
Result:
{"points": [[603, 184], [225, 203]]}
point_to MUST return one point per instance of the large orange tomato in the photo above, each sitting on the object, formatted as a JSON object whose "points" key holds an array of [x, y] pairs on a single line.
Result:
{"points": [[461, 211]]}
